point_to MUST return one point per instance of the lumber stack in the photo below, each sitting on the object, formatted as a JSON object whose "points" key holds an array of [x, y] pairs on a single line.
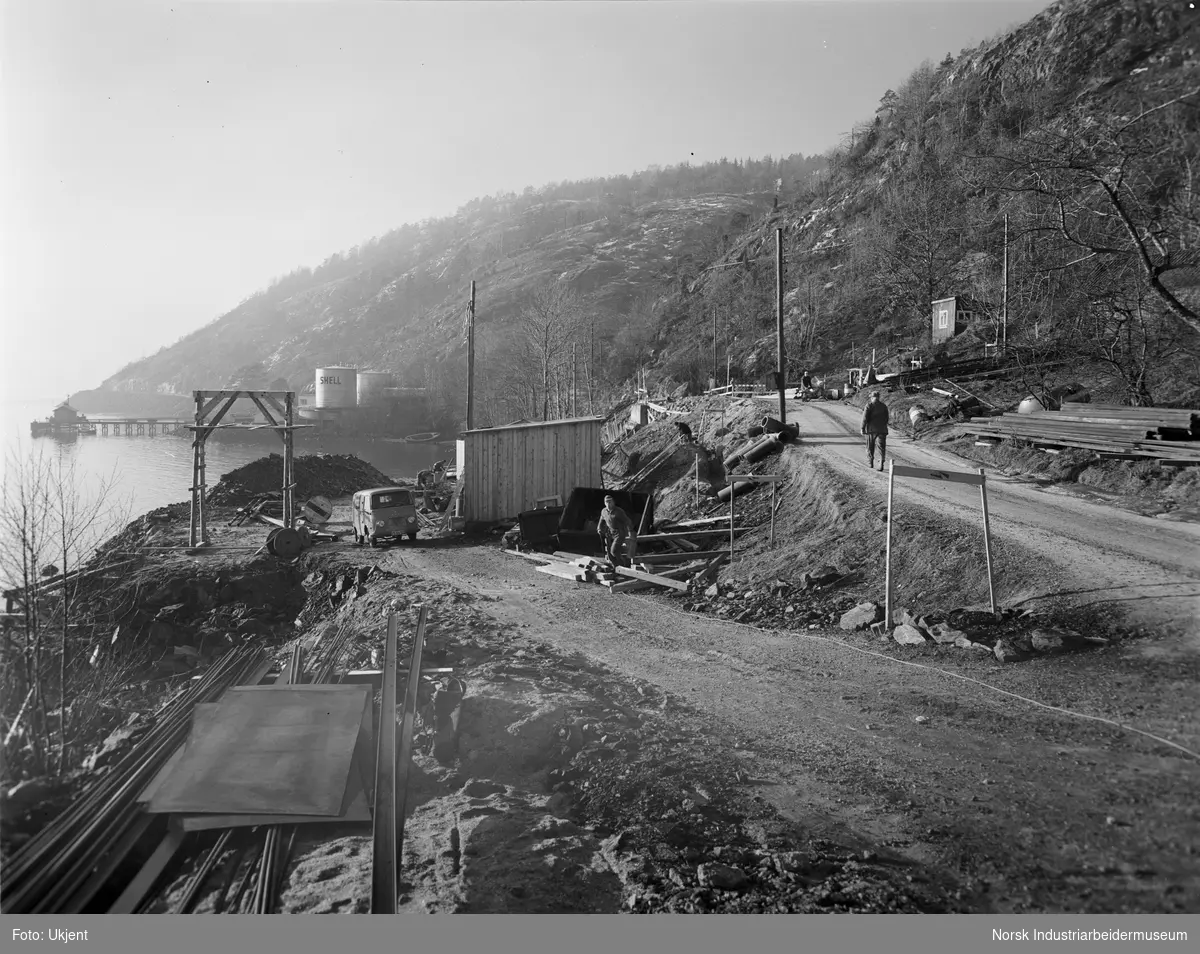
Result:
{"points": [[1153, 432], [680, 571]]}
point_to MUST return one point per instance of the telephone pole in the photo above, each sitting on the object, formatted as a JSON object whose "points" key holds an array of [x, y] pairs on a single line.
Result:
{"points": [[1004, 305], [715, 377], [781, 364], [471, 361]]}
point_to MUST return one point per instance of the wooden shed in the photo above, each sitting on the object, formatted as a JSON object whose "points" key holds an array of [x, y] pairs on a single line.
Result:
{"points": [[506, 470]]}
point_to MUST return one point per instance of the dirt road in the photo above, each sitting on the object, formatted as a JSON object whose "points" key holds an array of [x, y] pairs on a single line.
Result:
{"points": [[1026, 809], [1149, 569]]}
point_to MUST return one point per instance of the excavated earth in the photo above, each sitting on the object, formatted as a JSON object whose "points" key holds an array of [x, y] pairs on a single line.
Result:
{"points": [[648, 752]]}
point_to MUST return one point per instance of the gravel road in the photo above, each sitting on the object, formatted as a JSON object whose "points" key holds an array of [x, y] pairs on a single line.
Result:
{"points": [[1149, 568], [1028, 809]]}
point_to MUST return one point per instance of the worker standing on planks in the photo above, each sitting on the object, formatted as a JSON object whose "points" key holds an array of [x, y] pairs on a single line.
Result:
{"points": [[614, 529], [875, 427]]}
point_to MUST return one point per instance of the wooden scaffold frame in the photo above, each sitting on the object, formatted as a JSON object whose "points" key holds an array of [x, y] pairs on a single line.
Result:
{"points": [[266, 402]]}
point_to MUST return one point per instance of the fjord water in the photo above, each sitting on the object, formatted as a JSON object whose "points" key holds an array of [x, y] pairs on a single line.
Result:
{"points": [[150, 472]]}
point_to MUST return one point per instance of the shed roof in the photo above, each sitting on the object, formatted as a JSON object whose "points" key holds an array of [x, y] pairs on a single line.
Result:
{"points": [[523, 426]]}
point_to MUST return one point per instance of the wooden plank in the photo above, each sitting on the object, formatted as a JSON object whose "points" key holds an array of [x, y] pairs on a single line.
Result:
{"points": [[652, 578], [384, 863], [541, 557], [411, 702], [144, 880], [950, 476], [569, 557], [685, 537], [565, 573], [656, 558]]}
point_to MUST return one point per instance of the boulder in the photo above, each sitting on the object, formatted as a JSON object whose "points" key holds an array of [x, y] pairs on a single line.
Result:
{"points": [[945, 633], [1006, 652], [822, 576], [907, 619], [722, 876], [792, 861], [908, 635], [1049, 641], [861, 617]]}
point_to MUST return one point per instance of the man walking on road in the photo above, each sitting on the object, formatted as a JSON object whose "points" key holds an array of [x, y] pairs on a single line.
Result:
{"points": [[875, 427], [615, 527]]}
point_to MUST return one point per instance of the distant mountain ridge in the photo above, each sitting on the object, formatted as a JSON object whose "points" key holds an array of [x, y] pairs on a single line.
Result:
{"points": [[398, 303]]}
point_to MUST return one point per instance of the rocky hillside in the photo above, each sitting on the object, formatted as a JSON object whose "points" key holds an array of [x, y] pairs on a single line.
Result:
{"points": [[1075, 129], [1081, 127], [398, 303]]}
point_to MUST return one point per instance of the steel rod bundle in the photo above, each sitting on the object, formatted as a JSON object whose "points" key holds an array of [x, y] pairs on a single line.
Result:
{"points": [[60, 869]]}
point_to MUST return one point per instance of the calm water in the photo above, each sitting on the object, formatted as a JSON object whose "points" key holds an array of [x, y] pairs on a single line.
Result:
{"points": [[150, 472]]}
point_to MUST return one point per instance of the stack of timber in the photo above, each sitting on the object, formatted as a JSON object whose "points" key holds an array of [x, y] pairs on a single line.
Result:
{"points": [[680, 558], [1167, 434]]}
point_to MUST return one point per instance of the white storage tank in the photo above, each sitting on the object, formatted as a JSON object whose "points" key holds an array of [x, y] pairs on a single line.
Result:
{"points": [[337, 387], [372, 388]]}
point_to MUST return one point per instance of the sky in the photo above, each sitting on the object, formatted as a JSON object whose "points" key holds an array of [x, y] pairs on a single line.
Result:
{"points": [[164, 160]]}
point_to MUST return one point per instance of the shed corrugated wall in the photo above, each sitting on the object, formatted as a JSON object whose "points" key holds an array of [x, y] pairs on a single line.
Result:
{"points": [[508, 469]]}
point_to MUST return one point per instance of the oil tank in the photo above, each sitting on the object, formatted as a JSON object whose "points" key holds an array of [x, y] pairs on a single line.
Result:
{"points": [[372, 388], [337, 387]]}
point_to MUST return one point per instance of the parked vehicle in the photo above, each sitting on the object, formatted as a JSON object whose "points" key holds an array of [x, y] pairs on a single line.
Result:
{"points": [[384, 513]]}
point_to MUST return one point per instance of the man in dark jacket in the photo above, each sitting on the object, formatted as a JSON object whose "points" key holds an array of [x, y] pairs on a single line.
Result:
{"points": [[615, 527], [875, 427]]}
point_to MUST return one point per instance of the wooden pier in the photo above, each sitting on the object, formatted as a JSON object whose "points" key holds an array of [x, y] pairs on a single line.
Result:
{"points": [[140, 427]]}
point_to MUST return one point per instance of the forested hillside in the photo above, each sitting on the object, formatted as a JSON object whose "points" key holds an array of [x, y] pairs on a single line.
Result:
{"points": [[1074, 137], [598, 253], [1081, 128]]}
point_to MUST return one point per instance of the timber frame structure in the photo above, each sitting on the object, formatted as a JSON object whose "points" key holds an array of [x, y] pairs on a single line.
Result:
{"points": [[265, 401]]}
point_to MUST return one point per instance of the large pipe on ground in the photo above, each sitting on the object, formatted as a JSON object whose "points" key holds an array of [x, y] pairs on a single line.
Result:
{"points": [[736, 457], [771, 444], [736, 490]]}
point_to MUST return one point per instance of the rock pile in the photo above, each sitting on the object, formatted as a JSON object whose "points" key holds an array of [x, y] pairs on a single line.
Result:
{"points": [[330, 475], [1008, 636], [809, 601]]}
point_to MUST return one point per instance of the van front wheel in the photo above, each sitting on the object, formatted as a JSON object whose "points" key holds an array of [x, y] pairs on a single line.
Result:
{"points": [[374, 542]]}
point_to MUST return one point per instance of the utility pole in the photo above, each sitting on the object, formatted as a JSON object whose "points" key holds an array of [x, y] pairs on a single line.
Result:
{"points": [[574, 383], [780, 363], [1004, 306], [714, 379], [592, 365], [471, 361]]}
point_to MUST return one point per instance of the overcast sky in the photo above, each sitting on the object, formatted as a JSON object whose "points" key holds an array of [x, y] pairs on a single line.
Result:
{"points": [[164, 160]]}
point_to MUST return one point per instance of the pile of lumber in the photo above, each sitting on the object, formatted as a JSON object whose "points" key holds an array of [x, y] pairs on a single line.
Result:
{"points": [[674, 559], [1109, 429]]}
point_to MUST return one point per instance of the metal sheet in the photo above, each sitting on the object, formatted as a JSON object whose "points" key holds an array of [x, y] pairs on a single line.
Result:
{"points": [[269, 750]]}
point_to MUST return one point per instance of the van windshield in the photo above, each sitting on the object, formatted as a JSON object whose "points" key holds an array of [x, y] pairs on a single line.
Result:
{"points": [[397, 498]]}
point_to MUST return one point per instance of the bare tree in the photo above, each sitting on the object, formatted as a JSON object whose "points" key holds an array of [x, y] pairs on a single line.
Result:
{"points": [[48, 513], [1122, 189], [548, 323]]}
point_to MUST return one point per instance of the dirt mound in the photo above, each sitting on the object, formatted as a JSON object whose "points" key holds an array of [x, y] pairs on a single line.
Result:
{"points": [[331, 475]]}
